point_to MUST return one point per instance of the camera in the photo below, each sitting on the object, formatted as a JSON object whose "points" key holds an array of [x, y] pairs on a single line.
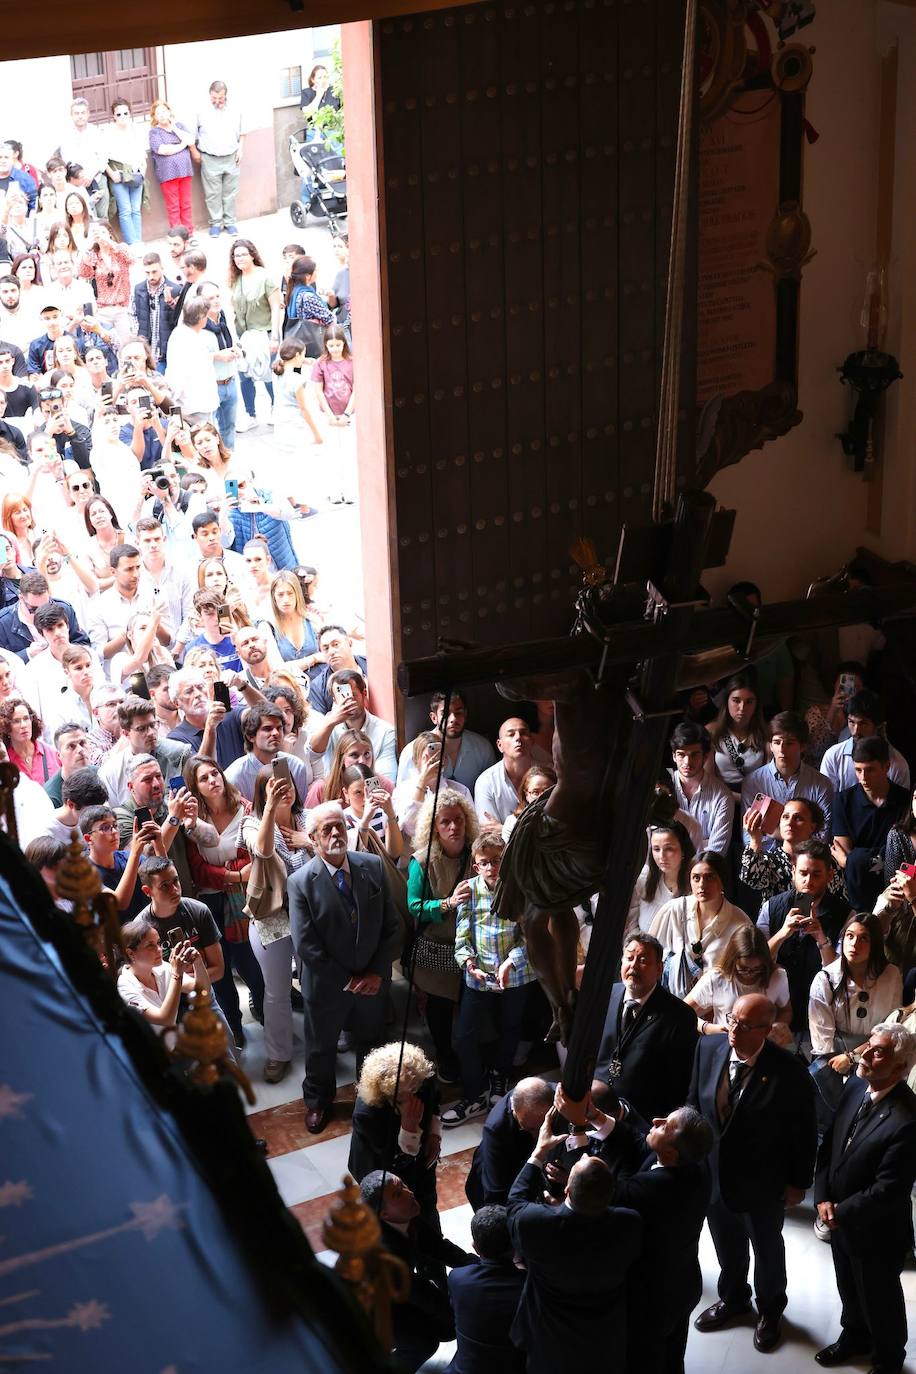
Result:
{"points": [[162, 483], [158, 478]]}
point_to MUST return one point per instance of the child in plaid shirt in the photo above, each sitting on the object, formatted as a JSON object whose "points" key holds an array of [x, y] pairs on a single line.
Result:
{"points": [[492, 953]]}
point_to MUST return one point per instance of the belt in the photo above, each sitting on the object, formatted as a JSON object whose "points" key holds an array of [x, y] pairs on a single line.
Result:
{"points": [[224, 381]]}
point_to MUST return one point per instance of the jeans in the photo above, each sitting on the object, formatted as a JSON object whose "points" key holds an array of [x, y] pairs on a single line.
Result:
{"points": [[477, 1011], [276, 961], [129, 199], [225, 413], [247, 386], [238, 957], [177, 196]]}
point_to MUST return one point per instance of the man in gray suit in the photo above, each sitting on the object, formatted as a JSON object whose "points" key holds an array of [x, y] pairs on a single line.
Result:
{"points": [[344, 927]]}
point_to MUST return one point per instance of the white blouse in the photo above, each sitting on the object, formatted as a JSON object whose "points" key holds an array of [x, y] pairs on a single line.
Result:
{"points": [[678, 918], [136, 994], [643, 911], [718, 994], [835, 1026]]}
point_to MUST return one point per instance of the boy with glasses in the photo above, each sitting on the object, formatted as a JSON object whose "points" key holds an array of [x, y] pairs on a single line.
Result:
{"points": [[118, 868]]}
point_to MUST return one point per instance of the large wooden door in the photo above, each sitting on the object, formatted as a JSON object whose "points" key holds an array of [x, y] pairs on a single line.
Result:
{"points": [[123, 74]]}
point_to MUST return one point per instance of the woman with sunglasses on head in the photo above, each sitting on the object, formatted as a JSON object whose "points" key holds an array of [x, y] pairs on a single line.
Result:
{"points": [[745, 966], [857, 991], [354, 746]]}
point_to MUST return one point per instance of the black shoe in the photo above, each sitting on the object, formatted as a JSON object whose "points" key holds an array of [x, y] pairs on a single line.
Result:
{"points": [[255, 1014], [718, 1315], [295, 1000], [238, 1038], [841, 1352], [767, 1334], [261, 1146]]}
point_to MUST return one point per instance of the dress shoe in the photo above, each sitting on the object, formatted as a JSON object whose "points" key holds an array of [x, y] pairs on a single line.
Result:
{"points": [[720, 1314], [841, 1352], [767, 1334], [316, 1118], [275, 1070]]}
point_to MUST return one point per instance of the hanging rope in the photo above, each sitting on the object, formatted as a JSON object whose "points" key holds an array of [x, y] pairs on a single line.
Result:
{"points": [[665, 486], [411, 966]]}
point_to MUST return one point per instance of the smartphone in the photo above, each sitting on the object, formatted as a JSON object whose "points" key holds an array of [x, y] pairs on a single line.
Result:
{"points": [[138, 686], [803, 902], [847, 684], [175, 935], [175, 414], [232, 488], [121, 408], [221, 694], [143, 814], [106, 390], [281, 771], [373, 785], [145, 404], [175, 785], [908, 870], [343, 691]]}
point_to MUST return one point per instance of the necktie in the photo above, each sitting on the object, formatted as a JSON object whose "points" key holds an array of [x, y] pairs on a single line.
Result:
{"points": [[340, 878], [737, 1073], [861, 1115], [630, 1013]]}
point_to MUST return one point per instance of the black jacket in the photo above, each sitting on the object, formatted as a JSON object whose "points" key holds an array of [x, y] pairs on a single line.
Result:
{"points": [[870, 1178], [143, 313], [374, 1144], [568, 1297], [485, 1298], [502, 1151], [426, 1253], [11, 434], [799, 954], [770, 1141], [13, 634], [656, 1054]]}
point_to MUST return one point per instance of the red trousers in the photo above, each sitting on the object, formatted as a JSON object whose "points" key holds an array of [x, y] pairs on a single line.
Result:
{"points": [[177, 196]]}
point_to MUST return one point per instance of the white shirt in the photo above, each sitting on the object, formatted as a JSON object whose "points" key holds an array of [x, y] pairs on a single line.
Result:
{"points": [[677, 918], [219, 132], [34, 810], [712, 806], [172, 585], [189, 371], [835, 1027], [84, 146], [837, 765], [45, 686], [111, 613], [495, 792], [384, 744], [136, 995], [718, 994]]}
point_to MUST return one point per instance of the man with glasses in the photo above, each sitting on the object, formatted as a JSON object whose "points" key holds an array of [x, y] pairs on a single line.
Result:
{"points": [[220, 140], [18, 633], [105, 732], [118, 868], [759, 1101], [141, 731]]}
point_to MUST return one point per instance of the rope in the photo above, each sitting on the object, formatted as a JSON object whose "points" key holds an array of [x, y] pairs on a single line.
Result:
{"points": [[665, 486], [411, 967]]}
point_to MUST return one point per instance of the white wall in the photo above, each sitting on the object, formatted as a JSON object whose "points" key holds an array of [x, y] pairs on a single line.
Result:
{"points": [[801, 512], [250, 67], [35, 104]]}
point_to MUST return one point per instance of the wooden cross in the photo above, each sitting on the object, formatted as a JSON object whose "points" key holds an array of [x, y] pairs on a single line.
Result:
{"points": [[650, 615]]}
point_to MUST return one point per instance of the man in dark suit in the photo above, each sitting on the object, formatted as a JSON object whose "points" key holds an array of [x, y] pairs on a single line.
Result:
{"points": [[670, 1190], [759, 1101], [646, 1052], [865, 1172], [507, 1140], [570, 1299], [484, 1298], [344, 927], [425, 1319]]}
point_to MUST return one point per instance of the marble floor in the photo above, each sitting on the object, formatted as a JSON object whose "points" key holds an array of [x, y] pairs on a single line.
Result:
{"points": [[309, 1169]]}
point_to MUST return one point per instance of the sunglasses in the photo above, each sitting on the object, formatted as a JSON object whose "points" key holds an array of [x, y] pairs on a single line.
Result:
{"points": [[862, 1011], [81, 486]]}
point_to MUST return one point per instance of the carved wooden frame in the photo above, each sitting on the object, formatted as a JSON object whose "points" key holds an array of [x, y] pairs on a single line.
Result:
{"points": [[733, 426]]}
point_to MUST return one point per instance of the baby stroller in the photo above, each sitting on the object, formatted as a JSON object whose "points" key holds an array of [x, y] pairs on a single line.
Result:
{"points": [[323, 173]]}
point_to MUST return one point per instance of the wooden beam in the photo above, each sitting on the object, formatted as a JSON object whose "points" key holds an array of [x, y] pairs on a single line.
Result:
{"points": [[65, 28], [884, 228]]}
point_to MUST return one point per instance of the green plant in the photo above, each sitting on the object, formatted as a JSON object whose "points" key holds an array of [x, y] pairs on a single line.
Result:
{"points": [[327, 121]]}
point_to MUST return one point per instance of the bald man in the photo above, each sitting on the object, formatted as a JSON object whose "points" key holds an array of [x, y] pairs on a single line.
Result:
{"points": [[570, 1302], [498, 789], [759, 1101]]}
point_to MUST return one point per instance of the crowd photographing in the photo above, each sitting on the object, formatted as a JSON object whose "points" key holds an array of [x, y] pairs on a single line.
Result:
{"points": [[175, 688]]}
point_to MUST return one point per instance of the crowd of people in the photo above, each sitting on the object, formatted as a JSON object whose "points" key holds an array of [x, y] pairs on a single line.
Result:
{"points": [[176, 689]]}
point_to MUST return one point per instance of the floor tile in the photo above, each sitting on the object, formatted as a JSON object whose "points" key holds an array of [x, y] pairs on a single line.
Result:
{"points": [[296, 1177]]}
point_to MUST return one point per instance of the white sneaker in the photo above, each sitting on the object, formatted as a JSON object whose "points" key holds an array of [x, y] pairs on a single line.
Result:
{"points": [[244, 422], [270, 418]]}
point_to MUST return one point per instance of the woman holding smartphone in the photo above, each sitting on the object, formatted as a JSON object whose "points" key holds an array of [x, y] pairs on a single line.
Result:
{"points": [[769, 871], [368, 808]]}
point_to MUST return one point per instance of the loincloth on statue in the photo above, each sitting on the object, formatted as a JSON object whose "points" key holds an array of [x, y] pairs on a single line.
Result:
{"points": [[546, 866]]}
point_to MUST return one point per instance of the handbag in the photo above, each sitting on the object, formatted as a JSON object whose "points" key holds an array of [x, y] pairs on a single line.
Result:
{"points": [[437, 956], [235, 915], [680, 973]]}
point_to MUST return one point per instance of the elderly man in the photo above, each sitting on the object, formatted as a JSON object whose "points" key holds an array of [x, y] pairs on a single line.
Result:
{"points": [[759, 1101], [105, 732], [506, 1141], [569, 1301], [263, 728], [345, 929], [220, 140], [206, 726], [866, 1168]]}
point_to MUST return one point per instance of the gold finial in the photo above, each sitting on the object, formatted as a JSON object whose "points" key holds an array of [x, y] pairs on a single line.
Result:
{"points": [[376, 1277], [95, 913], [201, 1036], [9, 781]]}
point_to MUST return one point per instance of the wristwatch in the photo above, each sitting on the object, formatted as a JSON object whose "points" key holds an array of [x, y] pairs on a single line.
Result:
{"points": [[173, 820]]}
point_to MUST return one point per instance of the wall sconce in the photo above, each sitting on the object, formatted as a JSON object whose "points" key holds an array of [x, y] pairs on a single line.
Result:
{"points": [[869, 373]]}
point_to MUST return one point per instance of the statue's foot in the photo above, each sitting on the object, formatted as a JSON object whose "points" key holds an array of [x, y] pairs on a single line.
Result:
{"points": [[565, 1018], [547, 687], [553, 1032]]}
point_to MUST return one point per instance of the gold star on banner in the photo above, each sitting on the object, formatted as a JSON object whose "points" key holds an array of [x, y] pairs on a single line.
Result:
{"points": [[153, 1217], [11, 1102], [12, 1194]]}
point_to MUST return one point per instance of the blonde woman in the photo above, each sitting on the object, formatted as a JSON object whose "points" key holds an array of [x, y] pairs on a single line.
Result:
{"points": [[433, 898], [293, 630], [396, 1123]]}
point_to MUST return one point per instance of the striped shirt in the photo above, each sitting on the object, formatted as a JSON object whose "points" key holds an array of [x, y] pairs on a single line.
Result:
{"points": [[482, 935]]}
